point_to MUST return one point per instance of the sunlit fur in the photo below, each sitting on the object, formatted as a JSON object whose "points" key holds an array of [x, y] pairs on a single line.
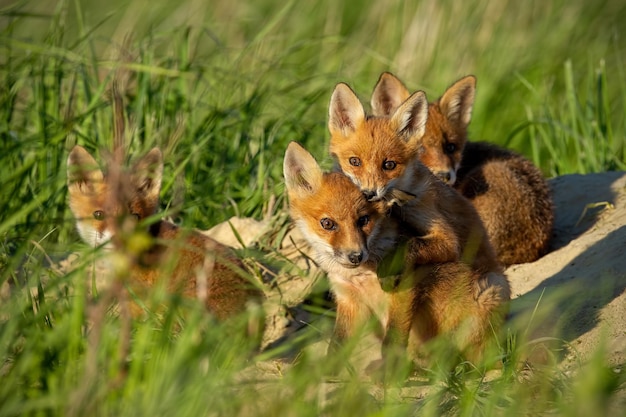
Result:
{"points": [[451, 298], [374, 141], [442, 227], [441, 146], [446, 223], [186, 260], [314, 195], [509, 193], [344, 204]]}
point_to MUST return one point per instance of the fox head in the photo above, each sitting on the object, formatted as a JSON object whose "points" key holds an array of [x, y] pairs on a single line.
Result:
{"points": [[331, 212], [377, 153], [442, 144], [101, 206]]}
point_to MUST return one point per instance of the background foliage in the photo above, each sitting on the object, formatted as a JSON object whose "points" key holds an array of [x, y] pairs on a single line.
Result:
{"points": [[222, 87]]}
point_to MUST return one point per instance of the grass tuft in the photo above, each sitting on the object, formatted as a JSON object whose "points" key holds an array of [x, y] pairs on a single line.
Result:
{"points": [[222, 87]]}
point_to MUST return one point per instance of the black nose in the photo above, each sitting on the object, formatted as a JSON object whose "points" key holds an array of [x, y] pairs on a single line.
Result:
{"points": [[444, 176], [369, 194], [355, 258]]}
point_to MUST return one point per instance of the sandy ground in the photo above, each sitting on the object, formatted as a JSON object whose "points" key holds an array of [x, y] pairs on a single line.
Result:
{"points": [[570, 300], [581, 281]]}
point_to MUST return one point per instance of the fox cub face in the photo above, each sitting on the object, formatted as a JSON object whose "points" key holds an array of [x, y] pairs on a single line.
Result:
{"points": [[100, 206], [442, 143], [376, 153], [331, 212]]}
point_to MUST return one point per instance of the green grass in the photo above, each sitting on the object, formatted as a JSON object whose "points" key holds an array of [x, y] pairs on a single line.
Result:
{"points": [[222, 87]]}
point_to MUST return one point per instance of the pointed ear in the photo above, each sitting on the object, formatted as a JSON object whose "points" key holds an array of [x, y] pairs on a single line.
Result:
{"points": [[457, 101], [388, 94], [302, 173], [82, 169], [345, 112], [410, 118], [148, 173]]}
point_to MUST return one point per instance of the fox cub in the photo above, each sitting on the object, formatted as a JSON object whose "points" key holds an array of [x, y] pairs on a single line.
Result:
{"points": [[379, 154], [190, 262], [510, 194], [350, 235]]}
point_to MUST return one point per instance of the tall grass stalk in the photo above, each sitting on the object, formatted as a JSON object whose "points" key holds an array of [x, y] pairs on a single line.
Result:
{"points": [[222, 87]]}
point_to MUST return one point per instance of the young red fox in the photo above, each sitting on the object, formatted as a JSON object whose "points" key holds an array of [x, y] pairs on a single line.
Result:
{"points": [[510, 194], [191, 262], [351, 235], [379, 154]]}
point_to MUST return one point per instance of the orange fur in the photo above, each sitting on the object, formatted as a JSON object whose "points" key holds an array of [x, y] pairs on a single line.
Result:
{"points": [[380, 155], [509, 193], [189, 262], [426, 300]]}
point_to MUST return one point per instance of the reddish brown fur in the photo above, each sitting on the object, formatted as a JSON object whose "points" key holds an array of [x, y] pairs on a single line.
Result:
{"points": [[443, 224], [364, 142], [509, 193], [445, 300], [345, 205], [187, 260], [448, 229], [431, 147], [513, 199], [430, 300]]}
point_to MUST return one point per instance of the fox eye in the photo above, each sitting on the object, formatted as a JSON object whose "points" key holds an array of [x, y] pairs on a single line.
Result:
{"points": [[328, 224], [363, 221], [354, 161], [449, 147], [98, 215], [389, 165]]}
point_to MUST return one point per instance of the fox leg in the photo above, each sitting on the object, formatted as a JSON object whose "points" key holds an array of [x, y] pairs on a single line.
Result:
{"points": [[439, 245], [351, 316], [396, 362]]}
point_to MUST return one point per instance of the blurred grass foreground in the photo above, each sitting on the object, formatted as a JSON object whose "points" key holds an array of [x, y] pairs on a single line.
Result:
{"points": [[222, 87]]}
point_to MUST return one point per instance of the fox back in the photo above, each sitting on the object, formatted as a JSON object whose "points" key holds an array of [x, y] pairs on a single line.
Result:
{"points": [[513, 199], [108, 206], [509, 192]]}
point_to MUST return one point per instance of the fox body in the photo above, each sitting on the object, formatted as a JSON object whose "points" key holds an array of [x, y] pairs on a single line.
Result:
{"points": [[509, 193], [351, 235], [189, 262], [380, 155]]}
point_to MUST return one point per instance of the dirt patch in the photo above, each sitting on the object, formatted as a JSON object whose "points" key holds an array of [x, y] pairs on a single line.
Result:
{"points": [[576, 292]]}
